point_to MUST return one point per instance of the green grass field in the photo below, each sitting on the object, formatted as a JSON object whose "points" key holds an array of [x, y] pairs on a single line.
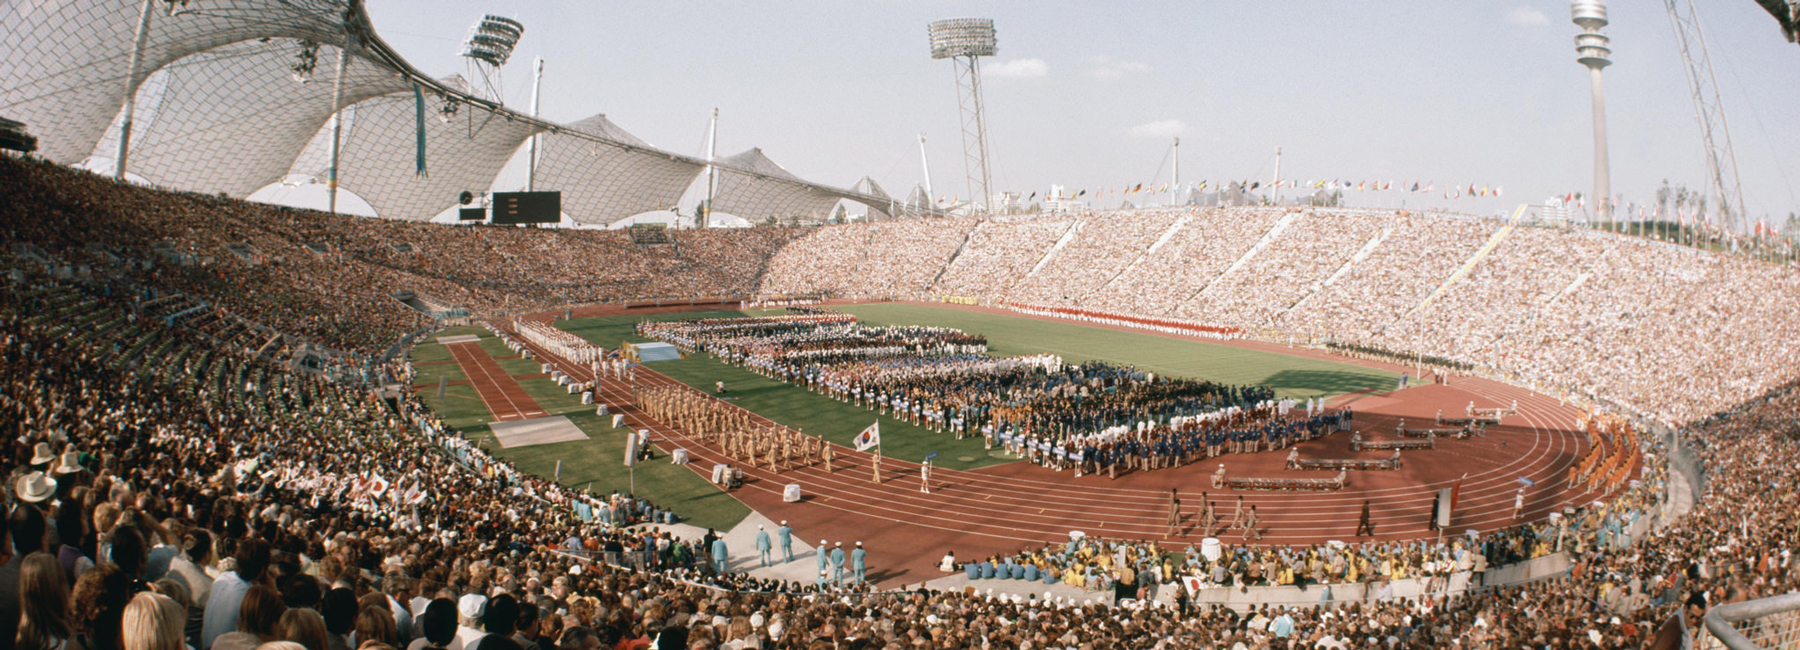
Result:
{"points": [[1290, 376], [596, 461], [592, 464]]}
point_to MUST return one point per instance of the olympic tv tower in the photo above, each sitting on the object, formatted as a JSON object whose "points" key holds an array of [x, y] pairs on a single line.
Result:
{"points": [[1592, 49], [964, 41]]}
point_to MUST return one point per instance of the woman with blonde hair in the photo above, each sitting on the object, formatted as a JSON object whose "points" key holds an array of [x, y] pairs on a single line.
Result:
{"points": [[45, 622], [153, 622], [305, 627]]}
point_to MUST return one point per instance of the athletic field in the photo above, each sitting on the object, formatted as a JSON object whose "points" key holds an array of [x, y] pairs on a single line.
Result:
{"points": [[595, 463]]}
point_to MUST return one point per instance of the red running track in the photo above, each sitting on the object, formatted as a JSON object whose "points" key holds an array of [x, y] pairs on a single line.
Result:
{"points": [[504, 398], [1004, 508]]}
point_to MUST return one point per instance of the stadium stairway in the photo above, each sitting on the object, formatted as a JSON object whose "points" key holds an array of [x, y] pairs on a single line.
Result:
{"points": [[1361, 254], [1493, 243], [1147, 252], [951, 263], [1267, 238], [1067, 236]]}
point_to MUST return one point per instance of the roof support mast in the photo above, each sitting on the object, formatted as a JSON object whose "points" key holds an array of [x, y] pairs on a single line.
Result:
{"points": [[712, 172], [1709, 111], [337, 123], [925, 165], [537, 83], [131, 87]]}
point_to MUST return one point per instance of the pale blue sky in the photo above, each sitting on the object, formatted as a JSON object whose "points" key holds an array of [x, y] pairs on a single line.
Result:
{"points": [[1447, 91]]}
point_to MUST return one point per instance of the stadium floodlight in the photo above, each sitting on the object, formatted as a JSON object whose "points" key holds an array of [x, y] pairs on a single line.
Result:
{"points": [[489, 44], [964, 41], [1593, 49]]}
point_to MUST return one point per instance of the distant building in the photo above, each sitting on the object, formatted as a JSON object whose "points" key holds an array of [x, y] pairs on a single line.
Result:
{"points": [[1059, 201], [1004, 203]]}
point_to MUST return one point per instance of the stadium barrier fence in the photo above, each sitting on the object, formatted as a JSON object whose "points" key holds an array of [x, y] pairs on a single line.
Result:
{"points": [[1757, 624]]}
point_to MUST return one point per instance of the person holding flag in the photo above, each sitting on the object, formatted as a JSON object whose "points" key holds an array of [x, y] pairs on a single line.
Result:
{"points": [[871, 437]]}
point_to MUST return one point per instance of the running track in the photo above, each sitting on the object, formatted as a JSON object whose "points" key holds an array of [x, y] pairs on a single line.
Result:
{"points": [[504, 398], [1005, 508]]}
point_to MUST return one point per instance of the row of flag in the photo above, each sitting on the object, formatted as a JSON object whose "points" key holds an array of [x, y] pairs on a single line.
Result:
{"points": [[1457, 191]]}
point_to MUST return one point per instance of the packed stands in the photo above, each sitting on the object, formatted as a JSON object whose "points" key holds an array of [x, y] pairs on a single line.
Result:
{"points": [[329, 277], [201, 482], [1658, 329]]}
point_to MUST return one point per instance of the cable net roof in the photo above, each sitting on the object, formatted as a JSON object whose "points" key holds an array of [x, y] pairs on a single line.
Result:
{"points": [[233, 119], [602, 182], [752, 186], [222, 107], [64, 64], [465, 151]]}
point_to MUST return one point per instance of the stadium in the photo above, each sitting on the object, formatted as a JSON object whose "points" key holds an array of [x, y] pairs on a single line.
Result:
{"points": [[307, 348]]}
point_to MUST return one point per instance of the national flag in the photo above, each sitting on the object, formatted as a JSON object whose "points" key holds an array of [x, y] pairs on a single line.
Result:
{"points": [[869, 437], [1456, 492]]}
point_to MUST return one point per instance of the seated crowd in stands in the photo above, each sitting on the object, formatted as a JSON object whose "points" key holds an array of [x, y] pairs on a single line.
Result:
{"points": [[168, 492], [1673, 332], [168, 488], [330, 278]]}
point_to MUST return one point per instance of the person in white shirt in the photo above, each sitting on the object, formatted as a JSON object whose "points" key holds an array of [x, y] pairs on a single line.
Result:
{"points": [[227, 594]]}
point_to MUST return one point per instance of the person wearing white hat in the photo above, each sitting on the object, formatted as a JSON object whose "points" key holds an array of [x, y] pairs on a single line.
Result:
{"points": [[762, 544], [837, 563], [856, 562], [469, 610], [35, 487], [822, 553], [41, 456], [786, 535], [69, 464]]}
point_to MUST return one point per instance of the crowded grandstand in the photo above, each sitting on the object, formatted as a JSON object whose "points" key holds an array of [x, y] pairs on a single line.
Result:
{"points": [[223, 430]]}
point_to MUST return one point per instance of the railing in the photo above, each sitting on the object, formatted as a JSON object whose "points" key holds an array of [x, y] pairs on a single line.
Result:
{"points": [[1757, 624]]}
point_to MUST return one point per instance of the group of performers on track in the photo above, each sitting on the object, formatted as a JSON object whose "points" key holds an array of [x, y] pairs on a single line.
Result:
{"points": [[1093, 417], [737, 433]]}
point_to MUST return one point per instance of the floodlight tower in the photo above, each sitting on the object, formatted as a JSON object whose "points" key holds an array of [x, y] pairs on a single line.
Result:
{"points": [[490, 43], [1592, 49], [964, 41]]}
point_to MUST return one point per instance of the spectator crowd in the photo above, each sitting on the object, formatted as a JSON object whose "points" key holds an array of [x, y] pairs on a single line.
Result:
{"points": [[170, 488]]}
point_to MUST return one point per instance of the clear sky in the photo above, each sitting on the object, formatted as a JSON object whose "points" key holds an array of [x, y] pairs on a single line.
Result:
{"points": [[1087, 94]]}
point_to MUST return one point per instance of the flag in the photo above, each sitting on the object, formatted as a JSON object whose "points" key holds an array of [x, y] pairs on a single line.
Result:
{"points": [[419, 121], [1526, 482], [869, 437], [1456, 492], [930, 456]]}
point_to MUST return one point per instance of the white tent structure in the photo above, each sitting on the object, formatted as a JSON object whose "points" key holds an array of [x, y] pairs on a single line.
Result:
{"points": [[235, 95]]}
